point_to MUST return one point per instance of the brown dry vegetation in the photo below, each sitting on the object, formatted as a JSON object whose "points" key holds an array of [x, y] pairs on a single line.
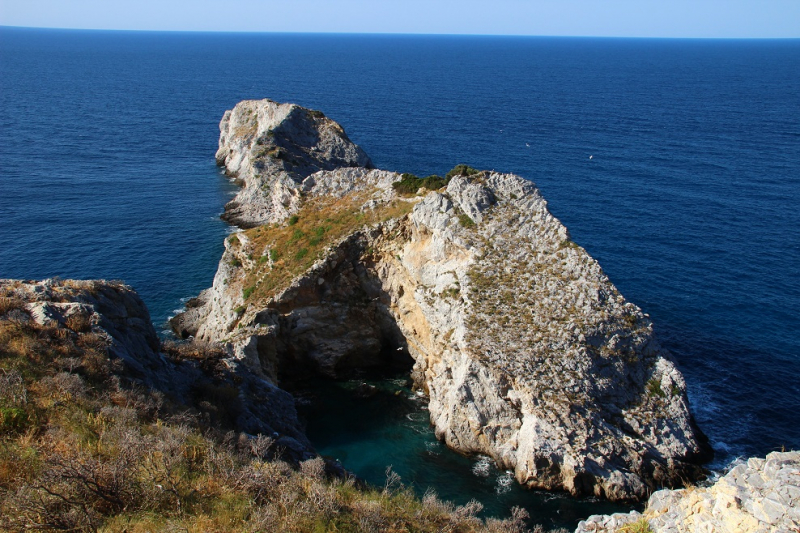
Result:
{"points": [[82, 450], [290, 248]]}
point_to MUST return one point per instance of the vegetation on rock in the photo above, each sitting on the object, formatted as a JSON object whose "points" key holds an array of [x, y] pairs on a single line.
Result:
{"points": [[83, 447], [409, 184], [321, 222]]}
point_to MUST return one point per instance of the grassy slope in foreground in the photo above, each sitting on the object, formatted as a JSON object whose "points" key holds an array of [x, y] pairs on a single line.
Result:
{"points": [[84, 448]]}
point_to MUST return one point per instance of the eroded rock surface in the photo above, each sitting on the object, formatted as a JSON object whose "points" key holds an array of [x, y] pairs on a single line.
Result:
{"points": [[527, 352], [759, 496], [271, 148]]}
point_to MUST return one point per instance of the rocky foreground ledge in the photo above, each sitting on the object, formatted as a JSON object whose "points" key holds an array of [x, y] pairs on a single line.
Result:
{"points": [[112, 316], [526, 350], [761, 495]]}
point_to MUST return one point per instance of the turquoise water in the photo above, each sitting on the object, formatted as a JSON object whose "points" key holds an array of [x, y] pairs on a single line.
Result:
{"points": [[689, 202], [391, 428]]}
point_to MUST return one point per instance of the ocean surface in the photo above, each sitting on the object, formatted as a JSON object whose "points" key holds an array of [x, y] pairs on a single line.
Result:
{"points": [[675, 163]]}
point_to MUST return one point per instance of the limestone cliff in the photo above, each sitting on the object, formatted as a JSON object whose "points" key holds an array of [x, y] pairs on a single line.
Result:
{"points": [[270, 148], [526, 350], [761, 495]]}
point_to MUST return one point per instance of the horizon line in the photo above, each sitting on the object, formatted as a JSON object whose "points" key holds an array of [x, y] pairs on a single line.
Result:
{"points": [[410, 34]]}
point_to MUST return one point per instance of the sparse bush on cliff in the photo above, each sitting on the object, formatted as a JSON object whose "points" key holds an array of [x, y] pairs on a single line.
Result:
{"points": [[9, 304], [462, 170], [247, 291], [654, 388], [410, 184], [466, 221], [640, 526]]}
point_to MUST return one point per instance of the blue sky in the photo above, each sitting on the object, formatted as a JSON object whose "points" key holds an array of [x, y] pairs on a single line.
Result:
{"points": [[617, 18]]}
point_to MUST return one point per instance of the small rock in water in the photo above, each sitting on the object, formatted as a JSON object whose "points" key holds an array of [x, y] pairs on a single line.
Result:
{"points": [[365, 390]]}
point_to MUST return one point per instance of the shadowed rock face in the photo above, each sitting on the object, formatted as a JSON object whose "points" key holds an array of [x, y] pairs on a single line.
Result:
{"points": [[526, 350]]}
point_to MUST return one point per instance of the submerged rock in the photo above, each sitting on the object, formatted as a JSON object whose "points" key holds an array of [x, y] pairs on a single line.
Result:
{"points": [[526, 350]]}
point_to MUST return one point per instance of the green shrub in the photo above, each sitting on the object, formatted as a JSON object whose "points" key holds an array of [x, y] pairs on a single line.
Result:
{"points": [[465, 221], [296, 236], [247, 291], [294, 219], [462, 170], [301, 253], [654, 388], [13, 419], [273, 254], [319, 234], [410, 184]]}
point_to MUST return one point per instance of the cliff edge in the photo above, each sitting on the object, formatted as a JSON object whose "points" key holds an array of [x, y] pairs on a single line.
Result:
{"points": [[526, 350], [111, 317], [761, 495]]}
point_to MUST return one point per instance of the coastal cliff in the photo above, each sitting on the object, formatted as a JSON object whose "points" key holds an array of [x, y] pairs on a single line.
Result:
{"points": [[270, 148], [525, 349]]}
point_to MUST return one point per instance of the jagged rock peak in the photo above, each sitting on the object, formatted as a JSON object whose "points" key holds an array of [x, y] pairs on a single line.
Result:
{"points": [[270, 148], [526, 350]]}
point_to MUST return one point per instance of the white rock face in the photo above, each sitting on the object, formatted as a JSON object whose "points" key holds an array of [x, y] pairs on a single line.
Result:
{"points": [[526, 350], [271, 148], [759, 496]]}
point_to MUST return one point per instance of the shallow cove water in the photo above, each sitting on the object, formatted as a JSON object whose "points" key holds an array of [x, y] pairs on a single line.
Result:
{"points": [[689, 201], [369, 425]]}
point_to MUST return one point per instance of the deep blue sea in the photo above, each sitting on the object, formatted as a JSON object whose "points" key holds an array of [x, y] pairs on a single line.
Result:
{"points": [[690, 200]]}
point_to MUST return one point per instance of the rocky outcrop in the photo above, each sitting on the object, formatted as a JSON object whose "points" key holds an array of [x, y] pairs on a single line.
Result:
{"points": [[270, 148], [526, 350], [761, 495], [113, 314]]}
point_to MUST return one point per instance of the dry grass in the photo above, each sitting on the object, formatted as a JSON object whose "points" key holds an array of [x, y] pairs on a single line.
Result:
{"points": [[9, 304], [640, 526], [293, 247], [82, 451]]}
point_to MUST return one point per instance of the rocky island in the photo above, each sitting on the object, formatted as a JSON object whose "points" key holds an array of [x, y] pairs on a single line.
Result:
{"points": [[524, 348]]}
